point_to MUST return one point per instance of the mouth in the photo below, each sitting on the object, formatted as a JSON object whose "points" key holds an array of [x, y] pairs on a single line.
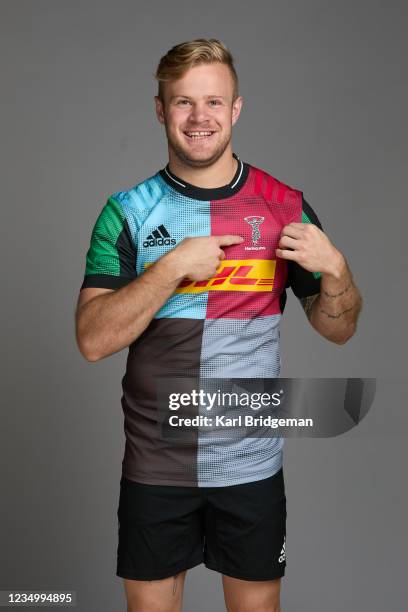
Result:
{"points": [[199, 134]]}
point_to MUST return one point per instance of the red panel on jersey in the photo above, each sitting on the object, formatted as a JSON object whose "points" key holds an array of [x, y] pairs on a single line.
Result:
{"points": [[257, 213]]}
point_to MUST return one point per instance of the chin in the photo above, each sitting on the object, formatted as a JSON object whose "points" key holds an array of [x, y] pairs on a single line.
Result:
{"points": [[202, 156], [199, 158]]}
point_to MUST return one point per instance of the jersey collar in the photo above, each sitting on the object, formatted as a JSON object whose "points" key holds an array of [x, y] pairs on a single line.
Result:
{"points": [[202, 193]]}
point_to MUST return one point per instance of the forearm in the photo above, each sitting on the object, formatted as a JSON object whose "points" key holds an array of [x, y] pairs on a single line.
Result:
{"points": [[110, 322], [335, 311]]}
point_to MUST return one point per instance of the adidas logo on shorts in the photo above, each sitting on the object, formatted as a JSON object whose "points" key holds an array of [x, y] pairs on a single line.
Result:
{"points": [[282, 557], [159, 237]]}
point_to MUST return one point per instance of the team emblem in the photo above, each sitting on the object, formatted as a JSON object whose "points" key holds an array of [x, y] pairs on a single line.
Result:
{"points": [[255, 221]]}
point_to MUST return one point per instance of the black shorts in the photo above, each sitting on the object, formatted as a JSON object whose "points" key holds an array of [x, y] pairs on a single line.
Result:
{"points": [[237, 530]]}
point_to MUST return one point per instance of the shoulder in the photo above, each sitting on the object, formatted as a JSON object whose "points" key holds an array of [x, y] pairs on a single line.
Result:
{"points": [[144, 194], [272, 188], [135, 204]]}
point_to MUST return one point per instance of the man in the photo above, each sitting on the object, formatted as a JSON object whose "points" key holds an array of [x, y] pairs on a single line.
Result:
{"points": [[189, 270]]}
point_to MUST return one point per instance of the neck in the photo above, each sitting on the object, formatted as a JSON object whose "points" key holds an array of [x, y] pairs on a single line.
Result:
{"points": [[220, 173]]}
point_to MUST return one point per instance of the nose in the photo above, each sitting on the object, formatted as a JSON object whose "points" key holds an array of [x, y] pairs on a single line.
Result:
{"points": [[198, 113]]}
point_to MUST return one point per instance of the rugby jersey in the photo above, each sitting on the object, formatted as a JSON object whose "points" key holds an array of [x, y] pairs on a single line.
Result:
{"points": [[224, 327]]}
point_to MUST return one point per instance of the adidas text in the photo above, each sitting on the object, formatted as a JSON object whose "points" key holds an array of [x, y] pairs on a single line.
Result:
{"points": [[159, 242]]}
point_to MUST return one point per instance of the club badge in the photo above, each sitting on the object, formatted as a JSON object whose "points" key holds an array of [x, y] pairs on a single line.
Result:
{"points": [[254, 221]]}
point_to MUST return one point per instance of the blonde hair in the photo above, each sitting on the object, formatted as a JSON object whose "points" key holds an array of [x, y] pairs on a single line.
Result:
{"points": [[184, 56]]}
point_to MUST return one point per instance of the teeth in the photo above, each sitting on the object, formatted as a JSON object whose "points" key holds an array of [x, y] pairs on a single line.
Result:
{"points": [[198, 134]]}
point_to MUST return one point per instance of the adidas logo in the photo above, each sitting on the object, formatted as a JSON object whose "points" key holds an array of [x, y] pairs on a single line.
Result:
{"points": [[282, 557], [159, 237]]}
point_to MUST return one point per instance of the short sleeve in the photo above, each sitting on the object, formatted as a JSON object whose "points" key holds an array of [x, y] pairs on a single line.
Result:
{"points": [[111, 257], [303, 282]]}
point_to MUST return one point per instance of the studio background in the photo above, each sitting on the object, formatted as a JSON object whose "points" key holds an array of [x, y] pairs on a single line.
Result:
{"points": [[325, 97]]}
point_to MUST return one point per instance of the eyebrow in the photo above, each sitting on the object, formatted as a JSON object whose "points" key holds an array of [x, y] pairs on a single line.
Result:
{"points": [[188, 97]]}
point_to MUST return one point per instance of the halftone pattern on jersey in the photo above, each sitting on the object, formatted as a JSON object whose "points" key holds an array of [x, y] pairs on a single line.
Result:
{"points": [[241, 348], [224, 327], [102, 255], [111, 258], [238, 348], [223, 461], [250, 215], [140, 202], [184, 217]]}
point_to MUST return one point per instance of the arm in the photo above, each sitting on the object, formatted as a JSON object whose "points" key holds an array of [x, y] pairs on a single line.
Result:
{"points": [[334, 311], [108, 321]]}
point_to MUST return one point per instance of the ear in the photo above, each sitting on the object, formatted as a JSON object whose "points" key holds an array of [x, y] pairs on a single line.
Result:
{"points": [[159, 109], [236, 109]]}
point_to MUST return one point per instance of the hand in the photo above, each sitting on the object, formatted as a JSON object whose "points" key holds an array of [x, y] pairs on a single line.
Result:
{"points": [[199, 258], [306, 244]]}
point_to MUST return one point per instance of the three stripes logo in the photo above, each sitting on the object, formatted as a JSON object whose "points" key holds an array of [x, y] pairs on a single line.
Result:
{"points": [[282, 557], [159, 237]]}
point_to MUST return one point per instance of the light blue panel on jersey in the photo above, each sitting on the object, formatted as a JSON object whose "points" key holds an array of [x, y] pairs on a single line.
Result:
{"points": [[181, 217], [253, 459], [159, 218], [246, 348], [238, 348], [139, 201], [184, 307]]}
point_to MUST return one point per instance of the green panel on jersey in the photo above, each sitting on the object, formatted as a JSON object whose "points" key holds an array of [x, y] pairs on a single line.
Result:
{"points": [[103, 256], [305, 219]]}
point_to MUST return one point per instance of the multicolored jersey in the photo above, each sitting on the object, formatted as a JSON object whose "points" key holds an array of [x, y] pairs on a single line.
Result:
{"points": [[224, 327]]}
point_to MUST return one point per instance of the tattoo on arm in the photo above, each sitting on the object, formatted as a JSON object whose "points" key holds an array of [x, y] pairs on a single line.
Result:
{"points": [[335, 295], [336, 315], [308, 302]]}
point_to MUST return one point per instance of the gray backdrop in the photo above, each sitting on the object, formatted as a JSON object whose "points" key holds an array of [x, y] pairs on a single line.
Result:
{"points": [[325, 99]]}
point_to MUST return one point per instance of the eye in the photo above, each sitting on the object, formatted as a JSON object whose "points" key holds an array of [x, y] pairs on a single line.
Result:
{"points": [[181, 102], [216, 102]]}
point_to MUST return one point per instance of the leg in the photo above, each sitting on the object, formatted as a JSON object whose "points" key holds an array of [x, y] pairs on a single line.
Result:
{"points": [[155, 595], [246, 542], [160, 538], [251, 595]]}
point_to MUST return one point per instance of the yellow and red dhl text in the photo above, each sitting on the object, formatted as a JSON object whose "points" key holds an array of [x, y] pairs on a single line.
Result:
{"points": [[235, 275]]}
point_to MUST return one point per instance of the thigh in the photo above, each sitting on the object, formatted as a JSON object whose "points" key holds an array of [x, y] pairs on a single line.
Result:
{"points": [[160, 531], [248, 595], [164, 595], [246, 530]]}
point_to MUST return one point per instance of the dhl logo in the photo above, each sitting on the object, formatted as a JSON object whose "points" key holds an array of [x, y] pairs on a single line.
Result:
{"points": [[235, 275]]}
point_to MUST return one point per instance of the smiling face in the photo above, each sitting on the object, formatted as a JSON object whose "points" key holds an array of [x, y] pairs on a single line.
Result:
{"points": [[198, 114]]}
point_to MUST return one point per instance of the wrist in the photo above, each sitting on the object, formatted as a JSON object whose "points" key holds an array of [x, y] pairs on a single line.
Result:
{"points": [[337, 267], [173, 266]]}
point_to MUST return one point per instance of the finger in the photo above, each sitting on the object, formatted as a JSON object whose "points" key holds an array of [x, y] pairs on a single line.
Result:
{"points": [[221, 254], [297, 225], [285, 254], [294, 230], [228, 239], [289, 243], [218, 268]]}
